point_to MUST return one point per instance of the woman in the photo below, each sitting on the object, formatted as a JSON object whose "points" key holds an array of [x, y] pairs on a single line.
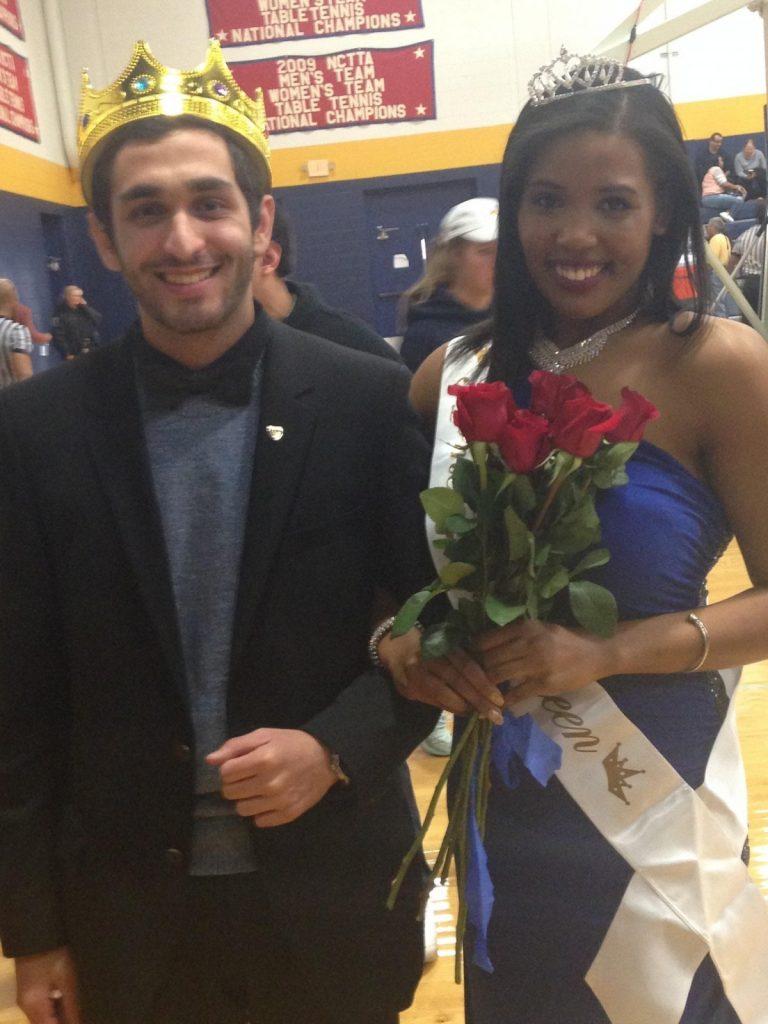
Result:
{"points": [[457, 287], [598, 203]]}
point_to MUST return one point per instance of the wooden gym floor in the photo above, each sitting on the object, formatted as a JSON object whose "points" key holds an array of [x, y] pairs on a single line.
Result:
{"points": [[439, 1000]]}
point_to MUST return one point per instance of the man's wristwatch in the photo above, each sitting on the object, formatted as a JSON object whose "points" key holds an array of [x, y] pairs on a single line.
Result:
{"points": [[334, 763]]}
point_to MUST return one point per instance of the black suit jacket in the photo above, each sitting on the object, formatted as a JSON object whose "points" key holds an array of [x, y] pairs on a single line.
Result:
{"points": [[96, 777]]}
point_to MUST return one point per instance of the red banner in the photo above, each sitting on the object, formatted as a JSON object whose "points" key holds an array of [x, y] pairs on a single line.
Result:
{"points": [[336, 90], [17, 110], [10, 17], [245, 22]]}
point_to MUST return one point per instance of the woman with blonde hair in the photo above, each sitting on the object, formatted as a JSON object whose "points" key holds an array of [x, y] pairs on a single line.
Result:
{"points": [[456, 288]]}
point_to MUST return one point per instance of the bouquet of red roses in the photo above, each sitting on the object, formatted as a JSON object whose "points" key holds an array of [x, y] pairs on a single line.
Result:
{"points": [[517, 532]]}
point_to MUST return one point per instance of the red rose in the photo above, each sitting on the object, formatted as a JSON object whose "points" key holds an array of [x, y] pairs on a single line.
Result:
{"points": [[580, 425], [550, 390], [523, 441], [629, 420], [482, 409]]}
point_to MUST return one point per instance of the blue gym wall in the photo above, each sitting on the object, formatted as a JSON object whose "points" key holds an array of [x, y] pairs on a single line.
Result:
{"points": [[329, 219]]}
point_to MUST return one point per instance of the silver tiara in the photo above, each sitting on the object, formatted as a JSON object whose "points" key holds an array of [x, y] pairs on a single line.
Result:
{"points": [[570, 75]]}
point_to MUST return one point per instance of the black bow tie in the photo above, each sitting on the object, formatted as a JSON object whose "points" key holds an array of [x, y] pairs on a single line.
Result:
{"points": [[228, 381]]}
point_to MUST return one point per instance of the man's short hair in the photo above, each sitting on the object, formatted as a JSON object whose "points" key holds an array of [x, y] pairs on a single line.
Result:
{"points": [[285, 236], [715, 136], [247, 168]]}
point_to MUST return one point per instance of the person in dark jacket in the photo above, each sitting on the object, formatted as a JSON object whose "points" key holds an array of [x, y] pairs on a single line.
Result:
{"points": [[457, 287], [299, 304], [75, 324]]}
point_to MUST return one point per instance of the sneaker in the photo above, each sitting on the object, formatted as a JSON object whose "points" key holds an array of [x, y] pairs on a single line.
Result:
{"points": [[440, 740], [430, 930]]}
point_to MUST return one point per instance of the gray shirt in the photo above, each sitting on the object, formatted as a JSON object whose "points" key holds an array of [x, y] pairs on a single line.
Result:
{"points": [[201, 459]]}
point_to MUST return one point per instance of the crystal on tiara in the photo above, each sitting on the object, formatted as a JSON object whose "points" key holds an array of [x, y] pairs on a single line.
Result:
{"points": [[147, 88], [571, 75]]}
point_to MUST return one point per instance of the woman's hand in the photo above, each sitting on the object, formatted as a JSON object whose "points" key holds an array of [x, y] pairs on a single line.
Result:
{"points": [[542, 658], [456, 683]]}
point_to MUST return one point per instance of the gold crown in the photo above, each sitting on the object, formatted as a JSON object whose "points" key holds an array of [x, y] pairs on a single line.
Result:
{"points": [[146, 88]]}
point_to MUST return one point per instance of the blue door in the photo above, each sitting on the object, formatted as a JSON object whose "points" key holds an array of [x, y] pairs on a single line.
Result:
{"points": [[400, 223]]}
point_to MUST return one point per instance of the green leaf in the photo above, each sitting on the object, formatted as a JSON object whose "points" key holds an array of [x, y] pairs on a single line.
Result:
{"points": [[501, 613], [472, 614], [452, 573], [592, 560], [564, 464], [524, 496], [440, 503], [614, 456], [542, 555], [459, 524], [412, 609], [532, 599], [517, 534], [438, 641], [466, 480], [607, 478], [577, 529], [594, 607], [554, 582]]}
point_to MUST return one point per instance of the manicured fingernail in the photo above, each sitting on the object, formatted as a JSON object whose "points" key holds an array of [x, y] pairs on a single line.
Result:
{"points": [[497, 698], [496, 717]]}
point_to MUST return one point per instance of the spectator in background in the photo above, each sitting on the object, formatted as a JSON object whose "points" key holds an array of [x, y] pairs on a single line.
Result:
{"points": [[23, 315], [299, 305], [456, 289], [749, 169], [75, 324], [751, 245], [712, 154], [15, 341], [717, 193], [719, 243]]}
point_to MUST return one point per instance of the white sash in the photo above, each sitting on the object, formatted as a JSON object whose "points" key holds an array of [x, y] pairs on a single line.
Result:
{"points": [[691, 894]]}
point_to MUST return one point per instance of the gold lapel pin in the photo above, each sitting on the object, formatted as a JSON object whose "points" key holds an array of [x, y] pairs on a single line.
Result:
{"points": [[276, 433]]}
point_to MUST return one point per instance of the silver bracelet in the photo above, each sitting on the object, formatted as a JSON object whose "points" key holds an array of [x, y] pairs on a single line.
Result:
{"points": [[705, 637], [377, 636]]}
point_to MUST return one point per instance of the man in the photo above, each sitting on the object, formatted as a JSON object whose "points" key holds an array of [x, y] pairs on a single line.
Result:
{"points": [[748, 254], [15, 340], [75, 325], [712, 155], [299, 304], [202, 791], [750, 169]]}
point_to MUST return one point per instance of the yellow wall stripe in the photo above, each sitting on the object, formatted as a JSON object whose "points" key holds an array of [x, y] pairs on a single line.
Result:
{"points": [[404, 154], [28, 175], [380, 158], [734, 115]]}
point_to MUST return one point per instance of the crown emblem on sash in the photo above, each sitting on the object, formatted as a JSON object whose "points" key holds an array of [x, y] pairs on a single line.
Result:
{"points": [[147, 88], [618, 773]]}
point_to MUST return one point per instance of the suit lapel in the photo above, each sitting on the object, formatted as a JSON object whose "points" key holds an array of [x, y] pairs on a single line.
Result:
{"points": [[286, 427], [116, 438]]}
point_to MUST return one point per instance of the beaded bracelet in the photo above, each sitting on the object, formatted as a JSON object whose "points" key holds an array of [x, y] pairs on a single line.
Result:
{"points": [[378, 635]]}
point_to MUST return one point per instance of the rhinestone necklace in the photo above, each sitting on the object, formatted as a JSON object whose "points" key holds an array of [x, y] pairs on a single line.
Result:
{"points": [[545, 355]]}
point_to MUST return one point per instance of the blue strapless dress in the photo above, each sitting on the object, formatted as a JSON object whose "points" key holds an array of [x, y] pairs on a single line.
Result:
{"points": [[557, 881]]}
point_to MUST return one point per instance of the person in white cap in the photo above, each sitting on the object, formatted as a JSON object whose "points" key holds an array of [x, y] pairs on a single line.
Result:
{"points": [[456, 288]]}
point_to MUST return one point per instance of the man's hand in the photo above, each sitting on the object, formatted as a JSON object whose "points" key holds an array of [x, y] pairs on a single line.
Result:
{"points": [[46, 988], [273, 775], [456, 683]]}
